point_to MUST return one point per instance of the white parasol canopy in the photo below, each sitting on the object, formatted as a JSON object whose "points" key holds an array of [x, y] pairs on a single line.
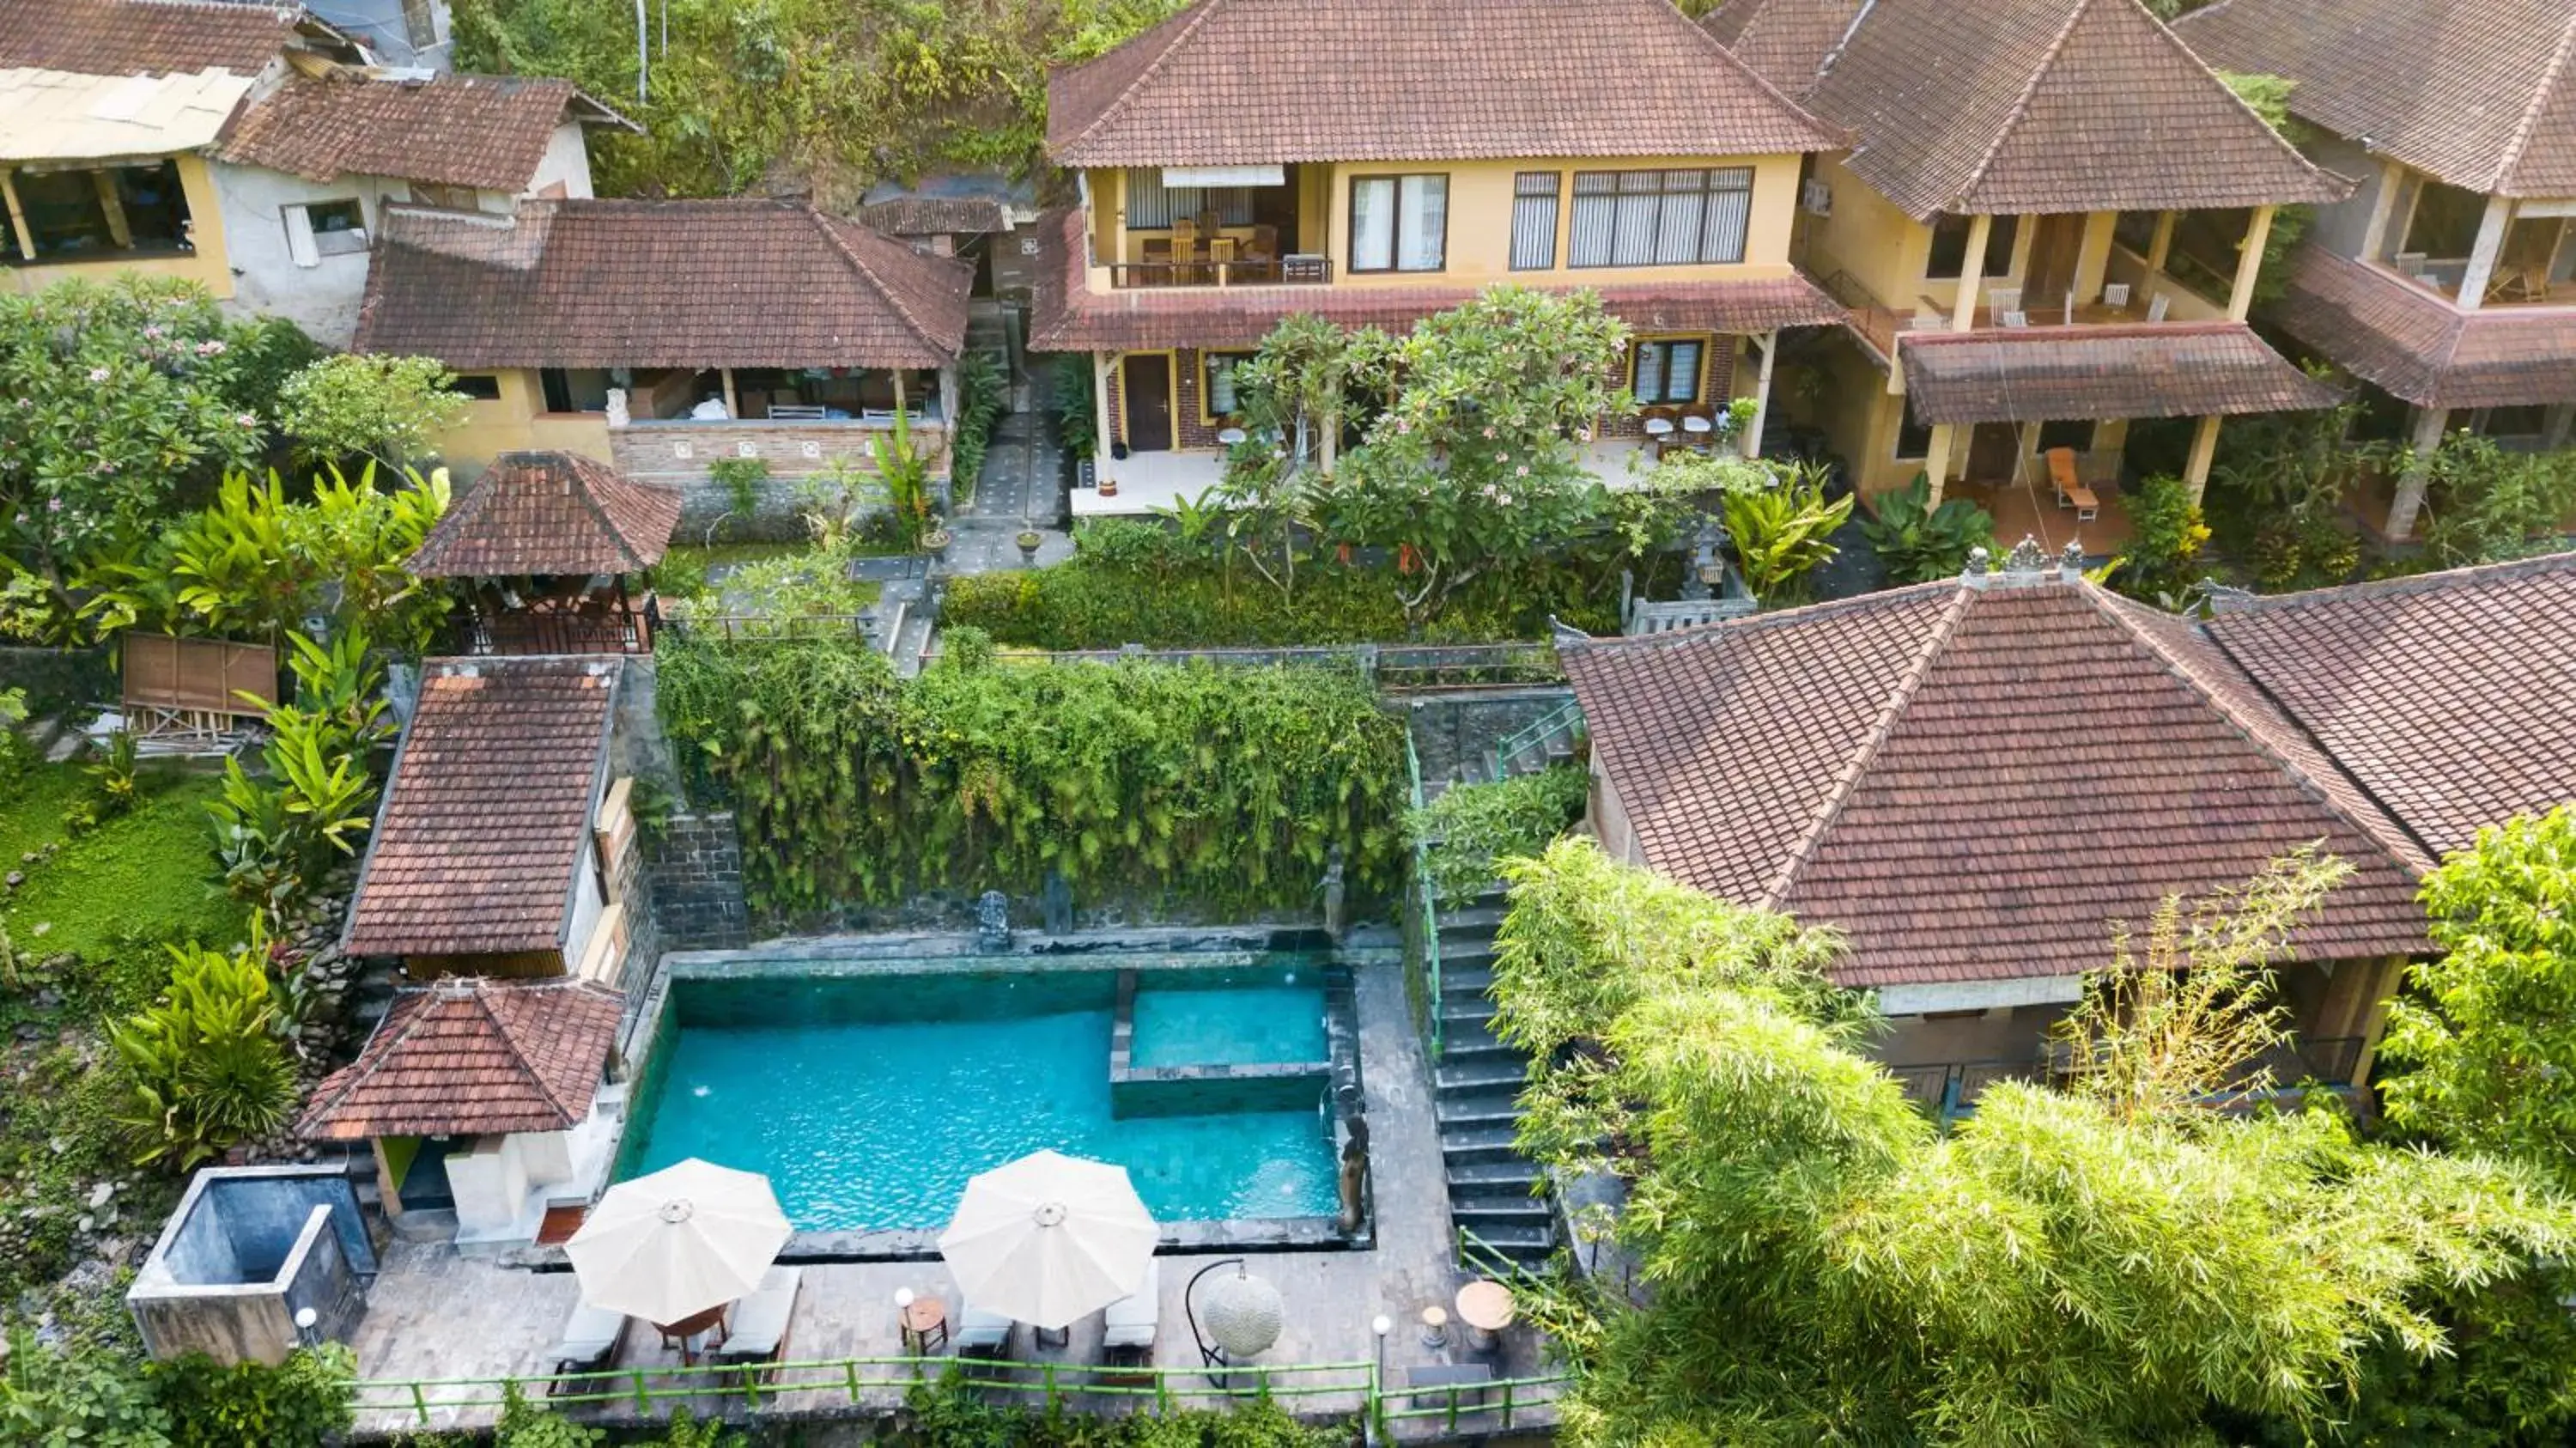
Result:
{"points": [[1049, 1238], [679, 1242]]}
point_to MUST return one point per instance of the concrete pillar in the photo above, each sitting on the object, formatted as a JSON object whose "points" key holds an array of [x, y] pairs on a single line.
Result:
{"points": [[2204, 447], [1972, 275], [1101, 362], [2249, 264], [2430, 423], [2482, 257], [2161, 246], [1769, 342], [1936, 459]]}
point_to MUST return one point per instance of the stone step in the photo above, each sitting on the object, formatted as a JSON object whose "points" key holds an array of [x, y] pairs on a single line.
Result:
{"points": [[1468, 1043], [1479, 1076], [1482, 1216], [1475, 1110], [1467, 1144], [1479, 921], [1520, 1242], [1465, 982], [1509, 1178]]}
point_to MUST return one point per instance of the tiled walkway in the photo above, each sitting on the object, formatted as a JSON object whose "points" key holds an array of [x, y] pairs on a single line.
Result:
{"points": [[434, 1314]]}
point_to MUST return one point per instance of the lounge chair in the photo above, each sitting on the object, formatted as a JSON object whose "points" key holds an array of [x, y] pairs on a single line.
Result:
{"points": [[1132, 1322], [2069, 485], [588, 1345], [980, 1333], [758, 1333]]}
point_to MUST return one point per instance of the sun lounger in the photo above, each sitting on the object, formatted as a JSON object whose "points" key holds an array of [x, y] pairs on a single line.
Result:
{"points": [[760, 1321], [980, 1333], [588, 1345], [1132, 1322], [2070, 489]]}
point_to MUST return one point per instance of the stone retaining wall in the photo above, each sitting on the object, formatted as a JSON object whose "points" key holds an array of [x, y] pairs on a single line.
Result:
{"points": [[694, 875]]}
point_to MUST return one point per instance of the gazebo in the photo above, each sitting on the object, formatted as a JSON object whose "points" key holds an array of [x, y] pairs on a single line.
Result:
{"points": [[544, 542]]}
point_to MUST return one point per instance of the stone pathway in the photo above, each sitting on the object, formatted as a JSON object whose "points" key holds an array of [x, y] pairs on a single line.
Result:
{"points": [[1018, 490]]}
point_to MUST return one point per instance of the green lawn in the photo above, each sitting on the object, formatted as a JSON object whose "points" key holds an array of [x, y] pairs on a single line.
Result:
{"points": [[110, 896]]}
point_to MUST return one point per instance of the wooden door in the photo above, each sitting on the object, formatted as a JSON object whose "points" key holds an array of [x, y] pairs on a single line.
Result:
{"points": [[1992, 452], [1147, 377], [2055, 249]]}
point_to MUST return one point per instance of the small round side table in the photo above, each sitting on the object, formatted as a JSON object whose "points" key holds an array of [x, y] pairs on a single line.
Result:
{"points": [[925, 1325], [1486, 1307]]}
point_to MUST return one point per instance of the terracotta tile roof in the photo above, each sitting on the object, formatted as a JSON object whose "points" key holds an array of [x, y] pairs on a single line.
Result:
{"points": [[1785, 41], [1237, 82], [2015, 106], [485, 131], [472, 1057], [1972, 781], [1069, 317], [483, 822], [2480, 93], [2408, 341], [2046, 374], [936, 216], [658, 284], [2451, 696], [143, 37], [549, 513]]}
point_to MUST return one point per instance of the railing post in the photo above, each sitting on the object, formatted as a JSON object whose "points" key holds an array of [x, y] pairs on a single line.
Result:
{"points": [[1050, 1386], [850, 1370], [643, 1394], [420, 1403]]}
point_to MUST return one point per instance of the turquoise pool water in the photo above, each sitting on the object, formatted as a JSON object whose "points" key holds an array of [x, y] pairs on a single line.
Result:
{"points": [[869, 1101], [1257, 1016]]}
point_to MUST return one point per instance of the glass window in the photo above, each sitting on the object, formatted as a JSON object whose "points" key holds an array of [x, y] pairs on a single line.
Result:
{"points": [[339, 227], [1534, 220], [2076, 435], [1660, 218], [1399, 223], [64, 212], [1667, 372], [575, 389], [1153, 206], [1913, 439], [481, 386], [1216, 382], [1950, 247]]}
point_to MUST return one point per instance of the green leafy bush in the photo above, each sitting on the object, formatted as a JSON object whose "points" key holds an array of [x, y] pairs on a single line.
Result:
{"points": [[954, 1413], [303, 1402], [2167, 537], [365, 405], [1071, 403], [274, 834], [2485, 505], [1918, 543], [741, 479], [1470, 828], [983, 394], [1226, 787], [207, 1065], [1780, 535], [52, 1398]]}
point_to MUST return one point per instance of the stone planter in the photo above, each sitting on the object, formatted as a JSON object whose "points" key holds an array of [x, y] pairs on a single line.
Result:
{"points": [[935, 542], [1029, 540]]}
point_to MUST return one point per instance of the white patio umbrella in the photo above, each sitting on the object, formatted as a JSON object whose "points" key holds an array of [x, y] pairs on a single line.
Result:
{"points": [[684, 1240], [1049, 1238]]}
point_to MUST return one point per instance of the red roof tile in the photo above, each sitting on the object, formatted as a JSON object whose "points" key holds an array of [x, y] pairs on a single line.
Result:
{"points": [[1974, 781], [549, 513], [143, 37], [1238, 82], [1069, 317], [2048, 374], [2451, 697], [485, 131], [472, 1057], [658, 284], [2019, 106], [1785, 41], [485, 818], [2479, 93], [2410, 342]]}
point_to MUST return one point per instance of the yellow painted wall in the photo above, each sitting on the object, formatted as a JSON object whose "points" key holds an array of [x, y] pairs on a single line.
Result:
{"points": [[210, 266], [1480, 215], [515, 421]]}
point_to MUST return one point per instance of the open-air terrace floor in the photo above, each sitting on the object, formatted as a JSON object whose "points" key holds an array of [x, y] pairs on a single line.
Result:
{"points": [[442, 1327], [1151, 482]]}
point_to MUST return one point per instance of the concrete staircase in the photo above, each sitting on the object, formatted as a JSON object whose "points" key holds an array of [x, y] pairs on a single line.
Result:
{"points": [[1492, 1187], [1549, 739]]}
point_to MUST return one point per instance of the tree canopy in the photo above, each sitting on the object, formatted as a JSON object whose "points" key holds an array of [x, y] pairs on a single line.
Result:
{"points": [[1818, 1262]]}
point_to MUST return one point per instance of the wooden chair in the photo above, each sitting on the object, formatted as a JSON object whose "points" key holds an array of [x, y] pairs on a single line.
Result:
{"points": [[2070, 489], [1221, 258], [1185, 250]]}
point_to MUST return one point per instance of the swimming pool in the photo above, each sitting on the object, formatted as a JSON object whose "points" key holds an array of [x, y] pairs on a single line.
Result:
{"points": [[869, 1100]]}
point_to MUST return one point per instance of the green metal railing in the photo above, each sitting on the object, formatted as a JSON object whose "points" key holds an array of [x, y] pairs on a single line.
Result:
{"points": [[1565, 719], [1429, 913], [853, 1378], [1363, 1383]]}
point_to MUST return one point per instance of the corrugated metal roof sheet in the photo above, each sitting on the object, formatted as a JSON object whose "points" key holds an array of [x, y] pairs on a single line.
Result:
{"points": [[55, 115]]}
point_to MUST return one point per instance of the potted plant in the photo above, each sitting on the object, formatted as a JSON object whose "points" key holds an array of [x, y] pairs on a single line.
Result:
{"points": [[1029, 540], [935, 540]]}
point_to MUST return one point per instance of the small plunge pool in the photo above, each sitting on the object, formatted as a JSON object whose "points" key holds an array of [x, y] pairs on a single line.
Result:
{"points": [[869, 1100]]}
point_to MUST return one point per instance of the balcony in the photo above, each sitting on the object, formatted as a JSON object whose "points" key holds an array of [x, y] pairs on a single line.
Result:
{"points": [[1296, 269]]}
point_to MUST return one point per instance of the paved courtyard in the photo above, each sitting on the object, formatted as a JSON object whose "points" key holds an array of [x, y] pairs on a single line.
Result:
{"points": [[435, 1314]]}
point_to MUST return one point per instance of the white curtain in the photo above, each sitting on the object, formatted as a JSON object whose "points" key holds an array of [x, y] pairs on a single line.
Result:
{"points": [[1373, 223], [1425, 226]]}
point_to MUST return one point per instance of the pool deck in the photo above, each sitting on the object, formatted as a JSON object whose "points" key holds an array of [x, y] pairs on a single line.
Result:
{"points": [[435, 1313]]}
